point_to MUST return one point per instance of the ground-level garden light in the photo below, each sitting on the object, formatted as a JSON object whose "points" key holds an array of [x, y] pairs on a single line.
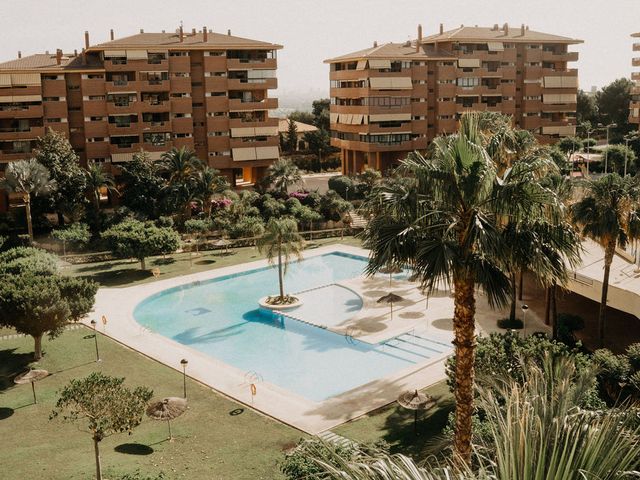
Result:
{"points": [[414, 400], [167, 409], [524, 309], [95, 338], [31, 376], [184, 362]]}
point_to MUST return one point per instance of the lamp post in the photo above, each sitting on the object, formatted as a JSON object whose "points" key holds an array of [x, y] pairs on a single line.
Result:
{"points": [[95, 338], [524, 309], [184, 362], [586, 126], [630, 137], [606, 152]]}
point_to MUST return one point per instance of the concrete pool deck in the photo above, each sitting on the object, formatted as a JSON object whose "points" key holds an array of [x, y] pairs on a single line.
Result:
{"points": [[371, 324]]}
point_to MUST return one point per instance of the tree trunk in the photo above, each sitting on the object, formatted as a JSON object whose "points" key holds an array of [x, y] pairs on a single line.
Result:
{"points": [[547, 305], [280, 277], [96, 200], [143, 263], [465, 344], [521, 286], [553, 310], [97, 454], [609, 251], [512, 313], [27, 207], [37, 347], [60, 219]]}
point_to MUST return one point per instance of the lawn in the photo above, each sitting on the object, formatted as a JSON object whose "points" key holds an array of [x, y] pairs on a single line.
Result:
{"points": [[121, 273], [216, 439], [394, 425]]}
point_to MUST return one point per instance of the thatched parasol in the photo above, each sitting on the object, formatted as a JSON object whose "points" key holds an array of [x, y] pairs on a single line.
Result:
{"points": [[31, 376], [168, 409], [391, 270], [223, 242], [414, 400], [390, 298]]}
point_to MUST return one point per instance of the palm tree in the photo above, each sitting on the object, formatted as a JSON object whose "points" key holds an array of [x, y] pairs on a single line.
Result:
{"points": [[282, 240], [181, 165], [29, 178], [208, 183], [282, 174], [444, 222], [608, 214], [97, 179]]}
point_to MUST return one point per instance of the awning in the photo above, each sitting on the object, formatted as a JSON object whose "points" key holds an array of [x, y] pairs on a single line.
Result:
{"points": [[495, 46], [121, 157], [265, 153], [27, 98], [243, 132], [243, 154], [390, 117], [267, 131], [362, 65], [114, 53], [469, 62], [391, 83], [5, 80], [379, 63], [25, 79], [559, 98], [136, 54], [560, 81]]}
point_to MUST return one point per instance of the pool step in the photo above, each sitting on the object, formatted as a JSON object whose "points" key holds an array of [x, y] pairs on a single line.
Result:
{"points": [[415, 347], [337, 440]]}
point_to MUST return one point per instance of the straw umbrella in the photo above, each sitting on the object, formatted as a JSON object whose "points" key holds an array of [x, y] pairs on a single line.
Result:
{"points": [[414, 400], [223, 242], [31, 376], [391, 270], [390, 298], [168, 409]]}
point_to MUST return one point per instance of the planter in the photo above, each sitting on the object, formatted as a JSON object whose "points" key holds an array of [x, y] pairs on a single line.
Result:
{"points": [[279, 308]]}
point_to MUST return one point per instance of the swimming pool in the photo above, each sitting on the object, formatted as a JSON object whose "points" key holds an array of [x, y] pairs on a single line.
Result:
{"points": [[220, 318]]}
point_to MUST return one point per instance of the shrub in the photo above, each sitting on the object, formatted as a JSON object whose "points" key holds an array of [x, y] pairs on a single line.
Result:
{"points": [[340, 184], [246, 227], [22, 260], [568, 324], [165, 222], [507, 323]]}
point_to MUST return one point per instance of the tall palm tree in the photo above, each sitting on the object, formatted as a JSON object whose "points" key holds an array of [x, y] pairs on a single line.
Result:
{"points": [[608, 214], [181, 165], [281, 240], [97, 179], [208, 183], [29, 178], [445, 224], [282, 174]]}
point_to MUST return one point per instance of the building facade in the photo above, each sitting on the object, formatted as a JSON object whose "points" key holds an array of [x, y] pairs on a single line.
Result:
{"points": [[151, 91], [395, 98], [634, 107]]}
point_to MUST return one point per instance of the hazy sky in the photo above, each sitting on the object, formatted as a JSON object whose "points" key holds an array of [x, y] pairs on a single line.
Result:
{"points": [[312, 31]]}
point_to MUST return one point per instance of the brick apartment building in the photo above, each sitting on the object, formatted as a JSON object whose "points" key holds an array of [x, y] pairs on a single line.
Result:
{"points": [[634, 107], [153, 91], [394, 98]]}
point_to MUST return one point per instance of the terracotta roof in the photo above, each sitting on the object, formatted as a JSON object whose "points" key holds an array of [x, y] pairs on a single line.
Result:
{"points": [[392, 51], [636, 35], [283, 126], [171, 39], [492, 34], [46, 61]]}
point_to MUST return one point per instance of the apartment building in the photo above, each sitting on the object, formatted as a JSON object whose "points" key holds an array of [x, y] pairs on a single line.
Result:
{"points": [[152, 91], [394, 98], [634, 107]]}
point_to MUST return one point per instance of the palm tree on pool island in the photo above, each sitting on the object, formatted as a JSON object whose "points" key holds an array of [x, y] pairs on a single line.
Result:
{"points": [[281, 241]]}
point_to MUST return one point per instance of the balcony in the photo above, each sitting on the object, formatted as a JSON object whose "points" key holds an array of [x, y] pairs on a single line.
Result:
{"points": [[154, 106], [236, 105], [123, 86], [238, 143], [96, 129], [54, 88], [95, 108], [127, 129], [156, 126], [446, 108], [180, 84], [92, 86], [239, 123], [181, 105], [182, 125], [559, 57], [350, 92], [532, 89], [635, 76], [564, 107], [550, 72], [217, 104], [97, 150], [636, 62], [116, 108], [636, 47], [218, 144], [447, 126], [215, 64], [155, 85], [10, 156], [180, 64], [265, 84], [243, 64], [8, 110], [9, 133]]}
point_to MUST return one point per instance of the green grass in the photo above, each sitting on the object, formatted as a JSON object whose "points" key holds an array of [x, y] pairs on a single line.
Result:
{"points": [[216, 439], [121, 273], [394, 425]]}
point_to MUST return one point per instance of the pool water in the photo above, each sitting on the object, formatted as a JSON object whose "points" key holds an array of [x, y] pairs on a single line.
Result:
{"points": [[220, 318]]}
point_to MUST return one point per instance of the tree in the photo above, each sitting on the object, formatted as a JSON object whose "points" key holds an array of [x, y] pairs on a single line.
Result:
{"points": [[302, 117], [613, 106], [196, 227], [19, 260], [320, 110], [586, 109], [143, 186], [105, 407], [55, 153], [319, 142], [342, 185], [281, 240], [77, 233], [332, 206], [570, 145], [283, 174], [97, 179], [620, 159], [31, 179], [443, 222], [134, 239], [608, 214], [207, 184], [292, 136], [181, 166]]}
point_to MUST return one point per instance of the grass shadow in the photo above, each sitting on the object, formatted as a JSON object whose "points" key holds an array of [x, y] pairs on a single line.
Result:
{"points": [[134, 449], [205, 262], [5, 412], [11, 364], [164, 261], [118, 278]]}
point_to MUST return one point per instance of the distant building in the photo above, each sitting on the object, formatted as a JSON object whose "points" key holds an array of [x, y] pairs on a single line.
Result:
{"points": [[394, 98], [301, 129], [634, 107]]}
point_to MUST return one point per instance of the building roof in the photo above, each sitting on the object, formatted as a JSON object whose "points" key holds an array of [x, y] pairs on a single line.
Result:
{"points": [[485, 34], [47, 62], [172, 40], [392, 51], [636, 35], [283, 126]]}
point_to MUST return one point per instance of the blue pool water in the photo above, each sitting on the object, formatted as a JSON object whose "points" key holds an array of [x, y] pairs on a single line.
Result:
{"points": [[220, 318]]}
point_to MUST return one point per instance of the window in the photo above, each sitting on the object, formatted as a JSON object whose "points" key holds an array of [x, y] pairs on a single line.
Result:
{"points": [[54, 120], [96, 119], [468, 82], [50, 99], [96, 97], [156, 58], [178, 54], [156, 139]]}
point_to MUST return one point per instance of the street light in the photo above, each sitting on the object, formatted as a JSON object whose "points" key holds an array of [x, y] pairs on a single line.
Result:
{"points": [[630, 137], [184, 362], [524, 309], [95, 338], [586, 126], [606, 152]]}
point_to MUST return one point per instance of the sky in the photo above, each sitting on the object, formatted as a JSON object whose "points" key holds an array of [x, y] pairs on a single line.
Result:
{"points": [[312, 31]]}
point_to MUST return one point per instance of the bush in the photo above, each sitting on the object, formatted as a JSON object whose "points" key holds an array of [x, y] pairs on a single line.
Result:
{"points": [[633, 354], [20, 260], [569, 323], [246, 227], [508, 324], [165, 222], [340, 184]]}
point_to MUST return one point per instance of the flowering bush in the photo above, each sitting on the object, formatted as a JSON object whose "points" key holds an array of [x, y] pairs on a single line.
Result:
{"points": [[221, 203], [299, 195]]}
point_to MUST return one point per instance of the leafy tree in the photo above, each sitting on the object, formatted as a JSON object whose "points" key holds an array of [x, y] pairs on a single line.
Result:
{"points": [[444, 223], [587, 109], [104, 406], [560, 159], [97, 179], [283, 174], [305, 215], [249, 226], [613, 106], [570, 145], [620, 159], [319, 142], [136, 239], [281, 240], [302, 117], [608, 214], [31, 179], [77, 233], [271, 207], [181, 166], [292, 136], [207, 184], [320, 110], [332, 206], [143, 186], [343, 186], [196, 227], [19, 260], [55, 153]]}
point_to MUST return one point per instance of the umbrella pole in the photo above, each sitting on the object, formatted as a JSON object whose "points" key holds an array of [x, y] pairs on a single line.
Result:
{"points": [[170, 435], [33, 387]]}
